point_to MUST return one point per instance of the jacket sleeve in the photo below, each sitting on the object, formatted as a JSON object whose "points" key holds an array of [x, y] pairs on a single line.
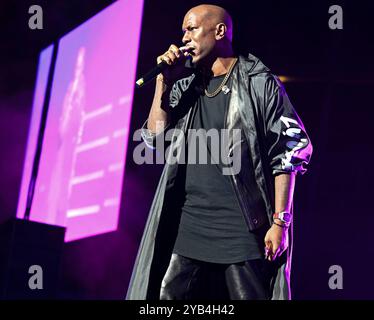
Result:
{"points": [[288, 145], [150, 138]]}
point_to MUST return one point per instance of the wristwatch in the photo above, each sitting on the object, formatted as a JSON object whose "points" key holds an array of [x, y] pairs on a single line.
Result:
{"points": [[283, 216]]}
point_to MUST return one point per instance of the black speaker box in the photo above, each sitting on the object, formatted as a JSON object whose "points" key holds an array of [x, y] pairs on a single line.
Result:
{"points": [[30, 254]]}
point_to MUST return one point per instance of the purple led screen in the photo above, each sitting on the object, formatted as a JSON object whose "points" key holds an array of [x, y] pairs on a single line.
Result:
{"points": [[44, 64], [84, 149]]}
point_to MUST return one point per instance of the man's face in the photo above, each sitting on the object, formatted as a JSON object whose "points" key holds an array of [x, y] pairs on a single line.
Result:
{"points": [[199, 34]]}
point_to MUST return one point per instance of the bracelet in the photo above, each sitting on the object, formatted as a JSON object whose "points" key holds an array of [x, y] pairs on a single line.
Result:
{"points": [[284, 226], [287, 224], [282, 215]]}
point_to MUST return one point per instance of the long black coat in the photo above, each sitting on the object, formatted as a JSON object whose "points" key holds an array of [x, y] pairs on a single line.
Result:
{"points": [[275, 141]]}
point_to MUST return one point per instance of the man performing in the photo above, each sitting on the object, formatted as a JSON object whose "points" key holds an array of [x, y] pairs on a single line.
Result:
{"points": [[211, 235]]}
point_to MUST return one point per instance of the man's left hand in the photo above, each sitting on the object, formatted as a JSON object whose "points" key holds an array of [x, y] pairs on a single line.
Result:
{"points": [[276, 242]]}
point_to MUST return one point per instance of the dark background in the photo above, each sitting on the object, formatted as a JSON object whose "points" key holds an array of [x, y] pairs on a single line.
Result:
{"points": [[332, 92]]}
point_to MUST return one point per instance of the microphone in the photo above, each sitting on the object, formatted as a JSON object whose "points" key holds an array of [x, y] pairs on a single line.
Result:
{"points": [[160, 67]]}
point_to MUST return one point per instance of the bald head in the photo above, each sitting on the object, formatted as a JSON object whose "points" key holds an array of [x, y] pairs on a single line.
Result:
{"points": [[213, 15], [207, 32]]}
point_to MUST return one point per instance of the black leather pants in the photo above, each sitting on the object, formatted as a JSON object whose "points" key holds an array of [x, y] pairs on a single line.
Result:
{"points": [[187, 279]]}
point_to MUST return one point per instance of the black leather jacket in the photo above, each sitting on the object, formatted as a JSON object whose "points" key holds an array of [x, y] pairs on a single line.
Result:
{"points": [[273, 141], [273, 137]]}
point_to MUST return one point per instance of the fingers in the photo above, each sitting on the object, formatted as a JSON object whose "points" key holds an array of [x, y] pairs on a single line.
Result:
{"points": [[276, 242], [171, 56], [175, 50], [185, 51], [268, 250], [272, 250], [276, 252]]}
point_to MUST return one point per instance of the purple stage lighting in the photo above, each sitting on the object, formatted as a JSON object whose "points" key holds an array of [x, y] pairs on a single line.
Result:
{"points": [[84, 148]]}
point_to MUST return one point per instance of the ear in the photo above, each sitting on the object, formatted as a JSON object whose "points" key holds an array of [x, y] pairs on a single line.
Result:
{"points": [[221, 30]]}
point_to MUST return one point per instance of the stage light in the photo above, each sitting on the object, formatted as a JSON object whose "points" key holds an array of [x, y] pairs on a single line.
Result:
{"points": [[84, 148]]}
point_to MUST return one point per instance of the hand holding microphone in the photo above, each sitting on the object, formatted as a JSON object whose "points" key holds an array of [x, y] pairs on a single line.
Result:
{"points": [[170, 65]]}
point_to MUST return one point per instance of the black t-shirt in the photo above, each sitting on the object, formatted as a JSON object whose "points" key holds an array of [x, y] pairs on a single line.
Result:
{"points": [[212, 227]]}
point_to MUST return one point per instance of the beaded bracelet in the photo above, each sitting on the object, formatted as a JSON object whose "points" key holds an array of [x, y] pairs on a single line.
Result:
{"points": [[284, 226]]}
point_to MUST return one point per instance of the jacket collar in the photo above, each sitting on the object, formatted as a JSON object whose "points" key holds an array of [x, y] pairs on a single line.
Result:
{"points": [[252, 65]]}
